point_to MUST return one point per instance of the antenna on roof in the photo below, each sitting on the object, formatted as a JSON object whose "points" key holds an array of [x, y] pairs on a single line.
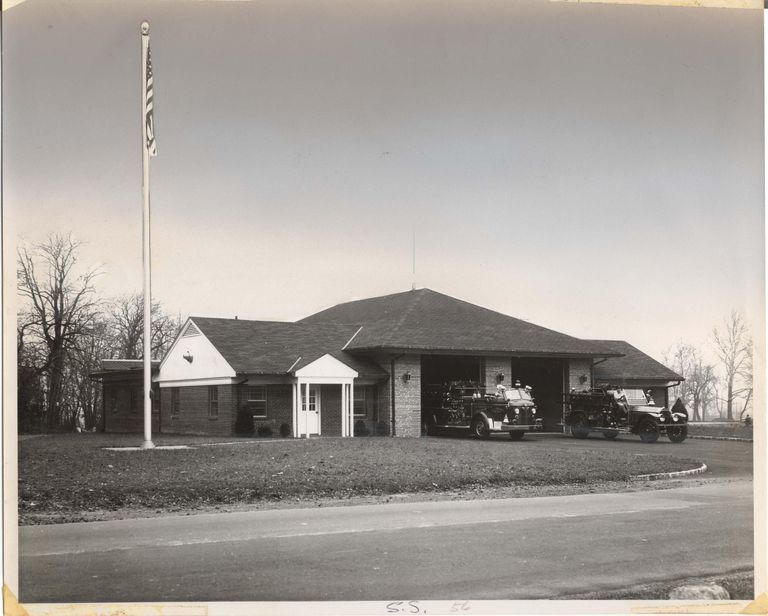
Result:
{"points": [[413, 283]]}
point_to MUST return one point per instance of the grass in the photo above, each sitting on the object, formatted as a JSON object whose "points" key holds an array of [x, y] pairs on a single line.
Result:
{"points": [[735, 429], [70, 477]]}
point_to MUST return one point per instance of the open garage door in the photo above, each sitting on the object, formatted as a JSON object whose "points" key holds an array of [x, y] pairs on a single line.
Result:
{"points": [[437, 370], [440, 369], [546, 376]]}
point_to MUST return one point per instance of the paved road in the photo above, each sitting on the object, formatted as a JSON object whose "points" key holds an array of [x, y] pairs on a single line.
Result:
{"points": [[497, 549]]}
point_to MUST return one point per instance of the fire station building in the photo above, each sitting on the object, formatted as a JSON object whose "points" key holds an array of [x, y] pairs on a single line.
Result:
{"points": [[361, 367]]}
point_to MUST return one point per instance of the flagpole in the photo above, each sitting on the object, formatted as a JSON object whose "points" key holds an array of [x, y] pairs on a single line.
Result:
{"points": [[146, 253]]}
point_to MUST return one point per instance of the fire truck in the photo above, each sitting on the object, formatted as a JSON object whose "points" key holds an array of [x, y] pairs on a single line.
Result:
{"points": [[466, 405], [614, 411]]}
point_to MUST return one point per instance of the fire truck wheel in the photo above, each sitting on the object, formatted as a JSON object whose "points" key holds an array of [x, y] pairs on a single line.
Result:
{"points": [[579, 426], [517, 436], [648, 431], [677, 434], [480, 428], [612, 434]]}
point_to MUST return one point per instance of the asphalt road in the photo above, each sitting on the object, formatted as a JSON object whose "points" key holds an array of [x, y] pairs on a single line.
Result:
{"points": [[498, 549]]}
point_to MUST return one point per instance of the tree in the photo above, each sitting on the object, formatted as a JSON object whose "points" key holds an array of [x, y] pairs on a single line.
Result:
{"points": [[84, 358], [746, 377], [61, 306], [126, 321], [29, 381], [733, 344], [697, 391]]}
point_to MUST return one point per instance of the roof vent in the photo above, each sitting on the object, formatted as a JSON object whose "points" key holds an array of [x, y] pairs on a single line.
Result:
{"points": [[191, 331]]}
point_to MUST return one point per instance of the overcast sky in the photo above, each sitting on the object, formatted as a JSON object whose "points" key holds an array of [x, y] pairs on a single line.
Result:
{"points": [[595, 169]]}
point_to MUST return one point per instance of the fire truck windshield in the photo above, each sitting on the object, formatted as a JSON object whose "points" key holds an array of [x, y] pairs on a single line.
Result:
{"points": [[517, 394]]}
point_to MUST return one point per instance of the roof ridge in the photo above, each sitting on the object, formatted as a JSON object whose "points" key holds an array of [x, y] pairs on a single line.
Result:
{"points": [[508, 316], [246, 320], [405, 314], [361, 301]]}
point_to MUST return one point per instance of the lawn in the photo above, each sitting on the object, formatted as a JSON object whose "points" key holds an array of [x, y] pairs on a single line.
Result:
{"points": [[70, 477], [733, 429]]}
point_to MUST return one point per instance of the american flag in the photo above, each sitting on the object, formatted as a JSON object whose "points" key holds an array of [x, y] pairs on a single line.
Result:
{"points": [[148, 115]]}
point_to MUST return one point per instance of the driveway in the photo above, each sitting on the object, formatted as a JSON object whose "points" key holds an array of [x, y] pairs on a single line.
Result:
{"points": [[724, 459]]}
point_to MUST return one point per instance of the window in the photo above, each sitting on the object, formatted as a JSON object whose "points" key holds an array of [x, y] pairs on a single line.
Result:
{"points": [[312, 399], [134, 399], [365, 401], [174, 401], [113, 399], [256, 400], [213, 402]]}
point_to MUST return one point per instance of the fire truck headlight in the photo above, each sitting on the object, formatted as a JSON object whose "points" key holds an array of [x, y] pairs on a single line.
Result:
{"points": [[533, 410], [517, 411]]}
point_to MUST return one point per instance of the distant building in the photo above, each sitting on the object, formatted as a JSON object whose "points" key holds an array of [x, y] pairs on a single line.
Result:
{"points": [[360, 364]]}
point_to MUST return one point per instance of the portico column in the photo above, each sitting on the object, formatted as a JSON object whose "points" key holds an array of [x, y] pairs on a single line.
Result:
{"points": [[351, 403], [344, 425], [306, 412], [294, 392], [348, 414]]}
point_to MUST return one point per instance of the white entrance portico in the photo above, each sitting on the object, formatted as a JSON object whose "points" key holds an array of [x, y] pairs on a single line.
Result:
{"points": [[307, 403]]}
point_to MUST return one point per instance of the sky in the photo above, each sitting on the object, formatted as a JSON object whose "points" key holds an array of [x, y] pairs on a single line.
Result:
{"points": [[594, 169]]}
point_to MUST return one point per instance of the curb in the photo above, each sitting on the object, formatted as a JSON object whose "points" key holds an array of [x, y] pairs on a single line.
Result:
{"points": [[671, 475], [723, 438]]}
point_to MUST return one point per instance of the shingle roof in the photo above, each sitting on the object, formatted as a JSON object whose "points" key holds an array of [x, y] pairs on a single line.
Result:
{"points": [[634, 365], [126, 364], [123, 368], [425, 320], [273, 347]]}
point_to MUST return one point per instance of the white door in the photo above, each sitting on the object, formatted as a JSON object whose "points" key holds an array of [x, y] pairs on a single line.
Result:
{"points": [[309, 417]]}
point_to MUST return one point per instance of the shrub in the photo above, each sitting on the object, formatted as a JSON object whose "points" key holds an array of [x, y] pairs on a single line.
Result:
{"points": [[285, 430], [748, 420], [244, 422], [382, 428], [264, 430], [361, 429]]}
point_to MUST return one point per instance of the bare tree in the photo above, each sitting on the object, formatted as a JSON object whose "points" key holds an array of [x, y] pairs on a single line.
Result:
{"points": [[697, 391], [83, 359], [701, 381], [61, 305], [29, 379], [746, 377], [126, 315], [734, 348]]}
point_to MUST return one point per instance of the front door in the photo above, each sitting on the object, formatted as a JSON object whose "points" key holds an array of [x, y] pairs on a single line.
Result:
{"points": [[309, 417]]}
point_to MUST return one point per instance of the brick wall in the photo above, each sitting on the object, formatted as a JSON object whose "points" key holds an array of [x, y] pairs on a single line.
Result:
{"points": [[576, 369], [193, 411], [408, 396], [121, 418], [494, 366], [279, 408]]}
